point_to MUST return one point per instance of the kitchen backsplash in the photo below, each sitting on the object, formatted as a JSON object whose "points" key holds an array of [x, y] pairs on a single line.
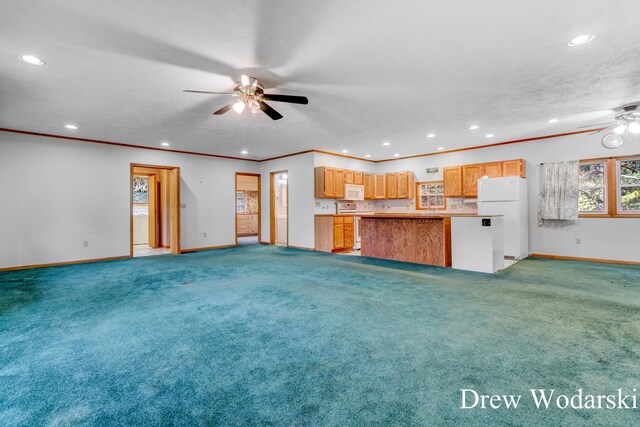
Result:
{"points": [[324, 206]]}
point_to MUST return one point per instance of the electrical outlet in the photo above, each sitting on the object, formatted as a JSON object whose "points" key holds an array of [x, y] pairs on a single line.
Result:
{"points": [[578, 241], [204, 234], [183, 206], [317, 204], [85, 244]]}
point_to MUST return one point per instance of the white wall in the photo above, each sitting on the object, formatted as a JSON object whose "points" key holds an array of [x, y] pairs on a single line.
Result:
{"points": [[603, 238], [56, 193], [301, 196]]}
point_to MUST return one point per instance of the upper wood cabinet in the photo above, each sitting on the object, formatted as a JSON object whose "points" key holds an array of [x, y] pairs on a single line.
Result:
{"points": [[406, 182], [329, 183], [358, 178], [348, 177], [392, 185], [470, 176], [369, 186], [492, 170], [379, 186], [513, 168], [452, 181]]}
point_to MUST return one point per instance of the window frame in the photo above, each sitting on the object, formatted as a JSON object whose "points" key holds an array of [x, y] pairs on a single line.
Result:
{"points": [[618, 189], [418, 205], [612, 188]]}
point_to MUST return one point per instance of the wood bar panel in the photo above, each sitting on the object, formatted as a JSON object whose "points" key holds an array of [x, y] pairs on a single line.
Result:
{"points": [[417, 240]]}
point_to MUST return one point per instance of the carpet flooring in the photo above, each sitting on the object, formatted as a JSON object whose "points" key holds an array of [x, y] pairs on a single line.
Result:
{"points": [[260, 335]]}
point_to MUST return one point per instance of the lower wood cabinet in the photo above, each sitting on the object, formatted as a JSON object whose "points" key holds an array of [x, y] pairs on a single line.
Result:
{"points": [[334, 233], [247, 224]]}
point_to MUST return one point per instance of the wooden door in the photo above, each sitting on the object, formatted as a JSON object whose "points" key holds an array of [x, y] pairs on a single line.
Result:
{"points": [[452, 181], [174, 210], [348, 232], [403, 185], [154, 211], [329, 183], [492, 170], [513, 168], [348, 177], [379, 188], [338, 232], [338, 183], [369, 186], [392, 185], [470, 176], [358, 178]]}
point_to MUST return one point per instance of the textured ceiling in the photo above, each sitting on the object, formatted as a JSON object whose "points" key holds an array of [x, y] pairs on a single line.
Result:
{"points": [[373, 71]]}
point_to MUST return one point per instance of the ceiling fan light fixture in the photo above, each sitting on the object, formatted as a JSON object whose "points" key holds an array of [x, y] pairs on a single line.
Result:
{"points": [[580, 40], [612, 140], [245, 80], [620, 129], [254, 106], [238, 107], [634, 127]]}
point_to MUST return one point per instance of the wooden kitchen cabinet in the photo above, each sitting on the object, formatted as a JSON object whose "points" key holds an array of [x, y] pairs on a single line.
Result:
{"points": [[358, 178], [513, 168], [348, 177], [406, 182], [470, 176], [329, 183], [369, 186], [334, 233], [492, 170], [392, 185], [379, 187], [452, 181]]}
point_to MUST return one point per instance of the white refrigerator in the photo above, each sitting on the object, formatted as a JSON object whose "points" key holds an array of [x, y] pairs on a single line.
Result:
{"points": [[507, 196]]}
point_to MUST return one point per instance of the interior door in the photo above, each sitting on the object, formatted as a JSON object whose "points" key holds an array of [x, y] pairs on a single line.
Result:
{"points": [[154, 211]]}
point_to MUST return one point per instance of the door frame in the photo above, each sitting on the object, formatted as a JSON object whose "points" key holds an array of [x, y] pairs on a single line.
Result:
{"points": [[174, 198], [235, 203], [272, 208]]}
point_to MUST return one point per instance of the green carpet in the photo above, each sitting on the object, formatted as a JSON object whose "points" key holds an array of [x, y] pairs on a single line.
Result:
{"points": [[263, 335]]}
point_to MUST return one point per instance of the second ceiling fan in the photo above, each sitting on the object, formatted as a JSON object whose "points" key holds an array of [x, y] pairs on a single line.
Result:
{"points": [[251, 94]]}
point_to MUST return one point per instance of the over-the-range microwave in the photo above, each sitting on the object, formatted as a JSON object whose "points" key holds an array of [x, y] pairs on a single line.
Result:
{"points": [[353, 192]]}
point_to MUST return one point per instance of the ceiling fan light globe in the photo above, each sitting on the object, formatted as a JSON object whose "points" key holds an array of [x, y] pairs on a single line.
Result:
{"points": [[612, 140], [238, 107], [634, 127], [620, 129]]}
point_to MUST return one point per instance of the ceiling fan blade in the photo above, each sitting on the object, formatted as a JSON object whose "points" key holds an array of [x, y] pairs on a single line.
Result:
{"points": [[223, 110], [207, 92], [287, 98], [595, 124], [270, 111]]}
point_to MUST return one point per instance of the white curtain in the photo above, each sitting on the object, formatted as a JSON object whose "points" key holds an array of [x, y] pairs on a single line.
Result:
{"points": [[559, 191]]}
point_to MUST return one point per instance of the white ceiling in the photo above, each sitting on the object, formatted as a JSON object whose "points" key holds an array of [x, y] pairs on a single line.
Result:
{"points": [[373, 71]]}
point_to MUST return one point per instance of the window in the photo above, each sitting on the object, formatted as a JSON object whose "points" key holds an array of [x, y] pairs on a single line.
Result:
{"points": [[610, 187], [628, 183], [592, 191], [430, 195], [240, 205]]}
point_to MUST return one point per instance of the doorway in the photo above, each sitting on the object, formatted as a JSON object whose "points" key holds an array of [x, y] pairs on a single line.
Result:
{"points": [[247, 208], [155, 210], [279, 208]]}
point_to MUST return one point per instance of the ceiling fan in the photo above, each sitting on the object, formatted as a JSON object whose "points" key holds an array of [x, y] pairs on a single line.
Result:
{"points": [[251, 94], [627, 120]]}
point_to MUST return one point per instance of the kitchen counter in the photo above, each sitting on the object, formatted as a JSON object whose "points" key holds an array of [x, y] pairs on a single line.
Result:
{"points": [[422, 216]]}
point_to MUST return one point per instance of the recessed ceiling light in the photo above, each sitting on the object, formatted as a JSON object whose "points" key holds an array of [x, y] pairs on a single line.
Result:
{"points": [[580, 40], [345, 151], [396, 155], [553, 121], [440, 148], [489, 135], [164, 144], [244, 152], [431, 135], [30, 59], [386, 143], [70, 126], [367, 155], [473, 127]]}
